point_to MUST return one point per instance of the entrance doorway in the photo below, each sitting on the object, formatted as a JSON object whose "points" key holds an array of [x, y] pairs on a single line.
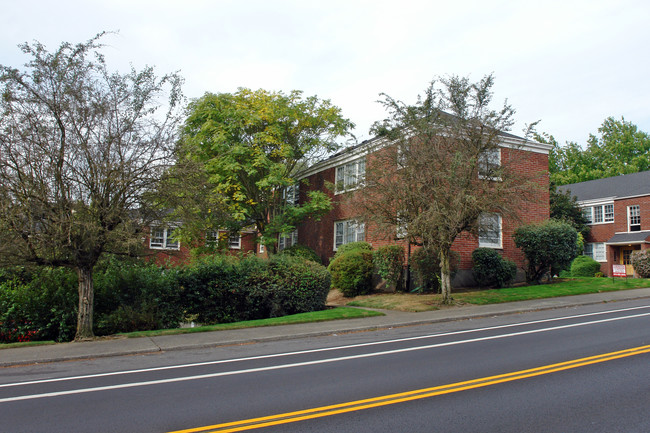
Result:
{"points": [[626, 259]]}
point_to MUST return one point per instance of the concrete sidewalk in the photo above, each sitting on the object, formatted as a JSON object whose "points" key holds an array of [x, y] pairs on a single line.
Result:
{"points": [[128, 346]]}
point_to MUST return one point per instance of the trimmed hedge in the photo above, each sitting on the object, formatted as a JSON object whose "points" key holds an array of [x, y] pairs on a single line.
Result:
{"points": [[304, 252], [491, 269], [584, 266], [352, 272]]}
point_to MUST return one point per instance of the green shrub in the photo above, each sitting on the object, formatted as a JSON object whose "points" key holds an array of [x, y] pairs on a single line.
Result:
{"points": [[352, 272], [352, 246], [584, 266], [37, 304], [490, 269], [641, 263], [389, 263], [303, 251], [132, 295], [548, 247], [222, 289], [425, 267]]}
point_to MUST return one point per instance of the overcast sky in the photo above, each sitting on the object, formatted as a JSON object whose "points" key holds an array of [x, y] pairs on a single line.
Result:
{"points": [[567, 63]]}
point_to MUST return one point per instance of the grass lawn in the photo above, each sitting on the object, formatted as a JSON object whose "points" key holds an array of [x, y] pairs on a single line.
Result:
{"points": [[316, 316], [560, 287]]}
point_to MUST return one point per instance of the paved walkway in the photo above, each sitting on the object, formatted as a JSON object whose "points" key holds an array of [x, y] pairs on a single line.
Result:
{"points": [[127, 346]]}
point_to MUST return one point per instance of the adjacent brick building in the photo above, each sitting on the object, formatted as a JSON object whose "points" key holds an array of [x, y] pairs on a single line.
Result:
{"points": [[618, 209], [338, 174]]}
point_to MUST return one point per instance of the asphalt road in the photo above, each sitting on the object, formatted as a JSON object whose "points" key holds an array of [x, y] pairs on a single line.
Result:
{"points": [[582, 369]]}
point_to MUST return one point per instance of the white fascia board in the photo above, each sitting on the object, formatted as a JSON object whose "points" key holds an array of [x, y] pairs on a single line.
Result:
{"points": [[528, 145], [596, 201]]}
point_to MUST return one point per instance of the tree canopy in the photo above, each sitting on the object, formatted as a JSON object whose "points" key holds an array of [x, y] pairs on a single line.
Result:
{"points": [[440, 170], [619, 148], [80, 148], [252, 143]]}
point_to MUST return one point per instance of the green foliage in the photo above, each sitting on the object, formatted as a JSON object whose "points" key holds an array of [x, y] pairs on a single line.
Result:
{"points": [[425, 264], [132, 295], [342, 249], [37, 304], [564, 207], [490, 269], [641, 263], [252, 143], [549, 247], [352, 272], [221, 289], [389, 263], [303, 251], [584, 266], [619, 148]]}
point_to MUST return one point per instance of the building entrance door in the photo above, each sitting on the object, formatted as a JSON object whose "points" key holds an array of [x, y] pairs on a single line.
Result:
{"points": [[626, 254]]}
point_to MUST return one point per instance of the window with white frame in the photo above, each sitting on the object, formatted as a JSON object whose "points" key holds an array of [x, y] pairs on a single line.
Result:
{"points": [[634, 218], [401, 228], [350, 175], [286, 240], [291, 194], [348, 231], [162, 239], [488, 163], [262, 249], [596, 250], [603, 213], [489, 231], [234, 241], [214, 236]]}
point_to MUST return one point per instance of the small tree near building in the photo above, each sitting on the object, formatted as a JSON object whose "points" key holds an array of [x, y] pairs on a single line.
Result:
{"points": [[80, 147], [441, 168], [549, 247]]}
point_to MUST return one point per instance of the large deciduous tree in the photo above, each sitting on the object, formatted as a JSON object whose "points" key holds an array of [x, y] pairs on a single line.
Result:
{"points": [[439, 171], [80, 146], [619, 148], [252, 144]]}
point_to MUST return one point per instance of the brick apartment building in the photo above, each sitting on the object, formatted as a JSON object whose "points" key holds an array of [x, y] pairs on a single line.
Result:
{"points": [[337, 177], [618, 211]]}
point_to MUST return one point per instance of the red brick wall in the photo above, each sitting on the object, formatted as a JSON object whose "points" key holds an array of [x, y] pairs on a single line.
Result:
{"points": [[319, 235]]}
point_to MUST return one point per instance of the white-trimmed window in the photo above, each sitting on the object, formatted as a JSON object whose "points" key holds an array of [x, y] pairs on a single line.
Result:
{"points": [[489, 231], [348, 231], [286, 240], [599, 214], [401, 228], [634, 218], [291, 194], [234, 241], [162, 239], [262, 249], [596, 250], [350, 175], [488, 163], [213, 237]]}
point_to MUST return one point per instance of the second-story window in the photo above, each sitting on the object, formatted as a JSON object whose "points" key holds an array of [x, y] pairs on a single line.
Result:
{"points": [[162, 239], [488, 164], [634, 218], [599, 214], [351, 175]]}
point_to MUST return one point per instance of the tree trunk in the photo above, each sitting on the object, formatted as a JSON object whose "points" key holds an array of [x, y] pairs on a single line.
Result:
{"points": [[445, 276], [86, 300]]}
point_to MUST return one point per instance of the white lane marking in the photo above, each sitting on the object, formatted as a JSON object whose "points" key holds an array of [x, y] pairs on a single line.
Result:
{"points": [[302, 364], [324, 349]]}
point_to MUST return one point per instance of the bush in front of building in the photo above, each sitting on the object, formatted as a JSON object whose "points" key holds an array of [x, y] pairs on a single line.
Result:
{"points": [[303, 251], [641, 263], [221, 289], [352, 272], [549, 247], [389, 263], [352, 246], [492, 270], [584, 266], [425, 267]]}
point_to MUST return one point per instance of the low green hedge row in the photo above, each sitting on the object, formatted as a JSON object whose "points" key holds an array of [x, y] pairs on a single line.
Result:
{"points": [[41, 304]]}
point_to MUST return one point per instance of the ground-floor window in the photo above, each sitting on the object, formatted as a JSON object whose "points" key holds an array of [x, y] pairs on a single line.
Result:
{"points": [[596, 250], [489, 231], [348, 231], [162, 239], [287, 240]]}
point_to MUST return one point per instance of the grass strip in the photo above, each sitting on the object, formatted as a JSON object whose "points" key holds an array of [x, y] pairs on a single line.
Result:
{"points": [[315, 316]]}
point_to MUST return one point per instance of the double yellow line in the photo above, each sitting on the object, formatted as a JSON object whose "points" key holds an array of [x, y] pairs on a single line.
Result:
{"points": [[369, 403]]}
